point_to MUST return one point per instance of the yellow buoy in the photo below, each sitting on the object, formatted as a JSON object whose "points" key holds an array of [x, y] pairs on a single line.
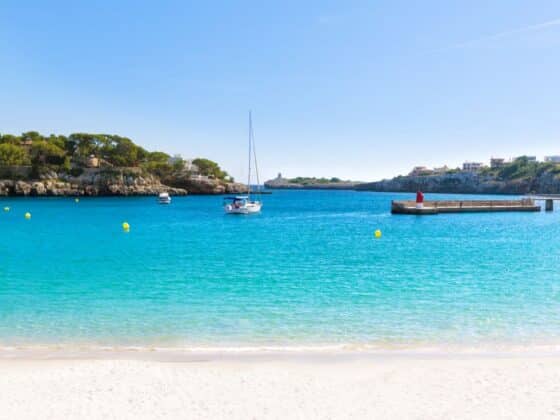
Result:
{"points": [[28, 215], [126, 226], [6, 209], [378, 233]]}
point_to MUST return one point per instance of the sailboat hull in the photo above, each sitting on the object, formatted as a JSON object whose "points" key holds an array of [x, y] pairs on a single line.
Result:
{"points": [[244, 204], [249, 208]]}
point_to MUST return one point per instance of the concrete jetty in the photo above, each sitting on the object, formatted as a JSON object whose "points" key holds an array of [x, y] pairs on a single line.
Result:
{"points": [[462, 206], [548, 199]]}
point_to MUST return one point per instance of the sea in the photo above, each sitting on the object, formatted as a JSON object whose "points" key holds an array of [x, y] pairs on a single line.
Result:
{"points": [[306, 272]]}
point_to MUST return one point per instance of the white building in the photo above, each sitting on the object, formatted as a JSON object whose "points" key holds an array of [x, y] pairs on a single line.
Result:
{"points": [[190, 166], [472, 166], [497, 162], [174, 159], [420, 170], [553, 159]]}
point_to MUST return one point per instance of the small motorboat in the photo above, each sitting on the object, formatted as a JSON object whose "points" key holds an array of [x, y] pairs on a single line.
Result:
{"points": [[164, 198]]}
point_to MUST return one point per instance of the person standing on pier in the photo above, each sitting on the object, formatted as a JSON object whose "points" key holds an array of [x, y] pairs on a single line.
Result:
{"points": [[419, 200]]}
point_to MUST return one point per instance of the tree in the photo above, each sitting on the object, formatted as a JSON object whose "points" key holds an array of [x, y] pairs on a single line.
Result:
{"points": [[82, 144], [161, 169], [43, 152], [61, 153], [209, 168], [12, 155], [59, 141], [125, 153], [31, 135], [178, 164], [159, 157], [10, 139], [519, 168]]}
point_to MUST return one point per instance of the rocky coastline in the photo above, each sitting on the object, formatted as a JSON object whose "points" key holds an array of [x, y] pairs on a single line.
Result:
{"points": [[89, 164], [516, 178], [114, 182], [467, 183], [198, 185]]}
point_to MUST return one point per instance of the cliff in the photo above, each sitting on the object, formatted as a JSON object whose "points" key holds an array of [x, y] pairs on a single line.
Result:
{"points": [[101, 164], [204, 185], [112, 182], [469, 183]]}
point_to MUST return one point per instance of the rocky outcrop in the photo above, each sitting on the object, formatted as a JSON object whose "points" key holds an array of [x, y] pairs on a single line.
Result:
{"points": [[90, 183], [467, 183], [205, 185], [116, 182]]}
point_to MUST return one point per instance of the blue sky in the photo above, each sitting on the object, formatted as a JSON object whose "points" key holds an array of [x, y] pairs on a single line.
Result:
{"points": [[355, 89]]}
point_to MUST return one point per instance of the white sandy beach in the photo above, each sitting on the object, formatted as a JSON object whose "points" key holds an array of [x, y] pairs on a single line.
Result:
{"points": [[271, 387]]}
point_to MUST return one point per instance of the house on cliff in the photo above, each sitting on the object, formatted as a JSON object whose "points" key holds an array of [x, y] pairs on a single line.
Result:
{"points": [[472, 166]]}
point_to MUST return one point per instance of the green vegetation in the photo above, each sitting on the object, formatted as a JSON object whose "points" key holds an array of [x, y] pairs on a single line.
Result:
{"points": [[453, 171], [71, 154], [59, 152], [312, 180], [43, 152], [522, 168], [209, 168], [518, 169], [11, 155]]}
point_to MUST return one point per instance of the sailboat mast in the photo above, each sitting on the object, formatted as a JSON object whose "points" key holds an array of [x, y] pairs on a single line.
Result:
{"points": [[256, 163], [250, 156]]}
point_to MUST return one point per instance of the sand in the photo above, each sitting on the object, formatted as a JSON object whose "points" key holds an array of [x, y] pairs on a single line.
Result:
{"points": [[282, 387]]}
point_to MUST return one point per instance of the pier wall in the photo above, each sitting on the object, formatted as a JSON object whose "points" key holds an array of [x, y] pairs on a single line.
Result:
{"points": [[463, 206]]}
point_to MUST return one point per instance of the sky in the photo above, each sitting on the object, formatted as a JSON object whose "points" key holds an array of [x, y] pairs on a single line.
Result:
{"points": [[359, 90]]}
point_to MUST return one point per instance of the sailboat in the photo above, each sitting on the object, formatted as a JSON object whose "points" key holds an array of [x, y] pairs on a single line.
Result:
{"points": [[242, 204]]}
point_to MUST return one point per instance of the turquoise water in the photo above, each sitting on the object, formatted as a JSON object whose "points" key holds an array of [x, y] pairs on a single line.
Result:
{"points": [[308, 270]]}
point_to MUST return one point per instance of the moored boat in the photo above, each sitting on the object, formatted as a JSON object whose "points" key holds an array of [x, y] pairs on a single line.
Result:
{"points": [[164, 198], [241, 205], [244, 204]]}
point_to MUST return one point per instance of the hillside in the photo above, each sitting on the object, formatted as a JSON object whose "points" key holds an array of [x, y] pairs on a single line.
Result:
{"points": [[518, 177], [100, 164]]}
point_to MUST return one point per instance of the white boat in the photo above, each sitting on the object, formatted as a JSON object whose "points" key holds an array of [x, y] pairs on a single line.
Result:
{"points": [[164, 198], [243, 204]]}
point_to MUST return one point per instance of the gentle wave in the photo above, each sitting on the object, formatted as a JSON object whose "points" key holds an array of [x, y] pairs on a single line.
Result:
{"points": [[94, 351]]}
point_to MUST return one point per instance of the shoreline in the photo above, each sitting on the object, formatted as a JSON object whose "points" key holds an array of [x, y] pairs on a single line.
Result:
{"points": [[255, 352]]}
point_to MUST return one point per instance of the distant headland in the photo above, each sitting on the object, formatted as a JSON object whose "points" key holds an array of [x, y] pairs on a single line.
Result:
{"points": [[101, 164], [521, 175], [309, 183]]}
